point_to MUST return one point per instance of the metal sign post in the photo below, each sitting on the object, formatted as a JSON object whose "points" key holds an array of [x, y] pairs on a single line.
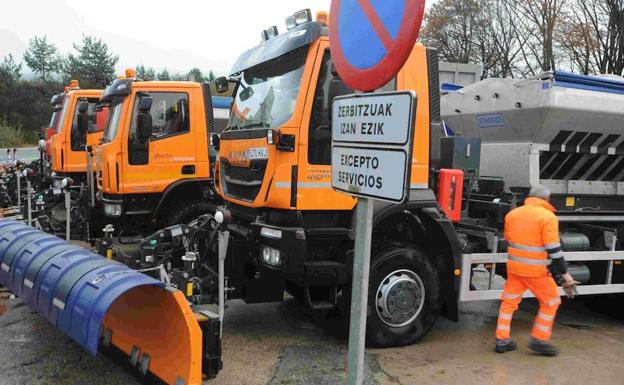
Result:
{"points": [[67, 214], [90, 176], [29, 201], [224, 237], [372, 134], [18, 176], [359, 290]]}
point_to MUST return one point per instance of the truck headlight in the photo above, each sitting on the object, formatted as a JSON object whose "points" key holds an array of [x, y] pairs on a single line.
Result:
{"points": [[271, 233], [112, 210], [271, 256]]}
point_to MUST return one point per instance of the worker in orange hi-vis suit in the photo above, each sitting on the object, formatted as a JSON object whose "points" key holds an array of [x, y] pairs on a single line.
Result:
{"points": [[532, 232]]}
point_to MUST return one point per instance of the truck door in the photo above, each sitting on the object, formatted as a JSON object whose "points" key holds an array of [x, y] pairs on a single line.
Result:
{"points": [[314, 187], [170, 153], [76, 159], [78, 138]]}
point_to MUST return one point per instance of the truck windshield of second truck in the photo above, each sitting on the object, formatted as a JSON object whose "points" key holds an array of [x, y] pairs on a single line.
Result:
{"points": [[115, 108], [267, 94]]}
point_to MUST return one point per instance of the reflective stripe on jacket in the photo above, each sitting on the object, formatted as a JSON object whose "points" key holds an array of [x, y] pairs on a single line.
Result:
{"points": [[532, 232]]}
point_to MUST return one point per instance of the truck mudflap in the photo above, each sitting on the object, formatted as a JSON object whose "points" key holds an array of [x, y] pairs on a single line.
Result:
{"points": [[102, 304]]}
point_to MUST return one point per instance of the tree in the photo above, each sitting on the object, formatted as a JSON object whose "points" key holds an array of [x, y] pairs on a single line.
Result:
{"points": [[10, 71], [539, 20], [195, 75], [145, 73], [605, 20], [451, 27], [211, 76], [42, 57], [504, 36], [92, 64], [178, 77], [164, 75], [578, 43]]}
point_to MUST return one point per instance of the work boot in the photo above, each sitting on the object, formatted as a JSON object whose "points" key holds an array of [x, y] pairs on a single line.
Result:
{"points": [[503, 346], [543, 348]]}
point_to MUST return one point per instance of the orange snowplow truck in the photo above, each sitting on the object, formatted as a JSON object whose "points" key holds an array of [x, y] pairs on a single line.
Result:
{"points": [[153, 165], [290, 231], [79, 126]]}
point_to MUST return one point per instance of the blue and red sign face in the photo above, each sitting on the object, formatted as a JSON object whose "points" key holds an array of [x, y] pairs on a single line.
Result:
{"points": [[370, 40]]}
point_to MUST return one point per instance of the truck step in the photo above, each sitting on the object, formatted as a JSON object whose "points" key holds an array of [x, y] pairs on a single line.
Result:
{"points": [[321, 298], [321, 306]]}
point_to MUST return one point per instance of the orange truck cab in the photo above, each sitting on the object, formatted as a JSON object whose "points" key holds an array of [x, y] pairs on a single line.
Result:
{"points": [[153, 163], [80, 125], [290, 230]]}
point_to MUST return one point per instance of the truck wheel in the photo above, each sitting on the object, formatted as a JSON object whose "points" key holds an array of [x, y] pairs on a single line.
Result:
{"points": [[403, 296], [185, 212]]}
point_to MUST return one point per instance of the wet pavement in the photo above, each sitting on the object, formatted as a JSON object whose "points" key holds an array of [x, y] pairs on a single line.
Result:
{"points": [[25, 154], [280, 344]]}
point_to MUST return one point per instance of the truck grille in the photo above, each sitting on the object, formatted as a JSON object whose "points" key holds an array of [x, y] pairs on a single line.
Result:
{"points": [[242, 183]]}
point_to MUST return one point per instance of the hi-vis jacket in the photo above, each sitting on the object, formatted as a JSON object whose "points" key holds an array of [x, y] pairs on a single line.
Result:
{"points": [[533, 235]]}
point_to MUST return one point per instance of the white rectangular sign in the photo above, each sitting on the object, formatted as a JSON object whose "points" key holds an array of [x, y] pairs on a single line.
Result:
{"points": [[372, 137], [383, 118], [372, 173]]}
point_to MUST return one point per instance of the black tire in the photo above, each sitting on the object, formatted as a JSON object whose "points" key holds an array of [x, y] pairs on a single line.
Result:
{"points": [[185, 212], [415, 318]]}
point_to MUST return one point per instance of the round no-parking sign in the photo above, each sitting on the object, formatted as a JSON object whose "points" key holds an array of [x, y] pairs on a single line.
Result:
{"points": [[370, 40]]}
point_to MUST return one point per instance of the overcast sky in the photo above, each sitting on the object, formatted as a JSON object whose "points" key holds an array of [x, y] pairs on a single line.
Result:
{"points": [[176, 34]]}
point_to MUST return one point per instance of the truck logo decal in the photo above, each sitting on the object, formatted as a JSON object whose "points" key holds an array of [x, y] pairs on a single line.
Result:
{"points": [[242, 158], [491, 120]]}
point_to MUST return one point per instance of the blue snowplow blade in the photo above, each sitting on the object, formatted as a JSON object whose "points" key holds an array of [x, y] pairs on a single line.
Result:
{"points": [[69, 286], [93, 299]]}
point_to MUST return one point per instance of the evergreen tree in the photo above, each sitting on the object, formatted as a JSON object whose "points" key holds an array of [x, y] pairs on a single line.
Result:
{"points": [[145, 73], [42, 57], [92, 63], [164, 75], [10, 71], [178, 77], [195, 75]]}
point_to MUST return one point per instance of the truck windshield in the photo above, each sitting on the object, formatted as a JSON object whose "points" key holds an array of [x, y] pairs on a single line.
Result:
{"points": [[54, 119], [267, 94], [63, 114], [112, 123]]}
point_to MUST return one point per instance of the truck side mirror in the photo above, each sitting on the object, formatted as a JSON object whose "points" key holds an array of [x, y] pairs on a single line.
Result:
{"points": [[144, 119], [83, 116], [221, 84], [215, 141]]}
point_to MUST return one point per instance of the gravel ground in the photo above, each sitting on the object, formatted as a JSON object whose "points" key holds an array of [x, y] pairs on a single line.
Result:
{"points": [[280, 343]]}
